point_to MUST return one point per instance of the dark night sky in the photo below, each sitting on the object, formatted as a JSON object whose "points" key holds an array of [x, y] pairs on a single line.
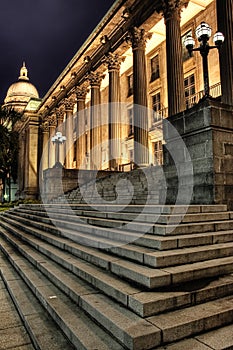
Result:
{"points": [[45, 34]]}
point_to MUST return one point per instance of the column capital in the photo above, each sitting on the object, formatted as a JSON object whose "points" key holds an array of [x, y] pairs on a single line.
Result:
{"points": [[69, 104], [52, 120], [81, 92], [95, 78], [60, 114], [113, 61], [45, 127], [138, 37], [172, 8]]}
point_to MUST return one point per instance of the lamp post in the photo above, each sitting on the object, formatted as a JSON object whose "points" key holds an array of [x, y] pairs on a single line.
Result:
{"points": [[203, 34], [58, 140]]}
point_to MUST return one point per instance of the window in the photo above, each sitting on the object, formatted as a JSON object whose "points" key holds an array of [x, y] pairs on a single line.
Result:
{"points": [[130, 122], [131, 155], [156, 106], [130, 85], [154, 66], [185, 53], [75, 151], [189, 88], [158, 153]]}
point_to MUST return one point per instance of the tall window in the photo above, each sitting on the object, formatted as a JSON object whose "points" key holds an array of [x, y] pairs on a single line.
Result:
{"points": [[130, 84], [75, 151], [154, 66], [158, 153], [131, 155], [189, 88], [156, 106], [185, 53], [130, 122]]}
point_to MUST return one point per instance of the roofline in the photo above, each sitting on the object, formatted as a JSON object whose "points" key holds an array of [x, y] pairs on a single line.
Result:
{"points": [[113, 9]]}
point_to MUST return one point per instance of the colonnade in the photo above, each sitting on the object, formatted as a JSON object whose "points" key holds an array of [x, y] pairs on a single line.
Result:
{"points": [[138, 37]]}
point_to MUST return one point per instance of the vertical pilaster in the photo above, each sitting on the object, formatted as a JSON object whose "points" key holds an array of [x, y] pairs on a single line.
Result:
{"points": [[52, 129], [81, 93], [60, 112], [141, 154], [225, 23], [69, 105], [45, 133], [95, 127], [113, 62], [175, 74], [21, 165], [31, 180]]}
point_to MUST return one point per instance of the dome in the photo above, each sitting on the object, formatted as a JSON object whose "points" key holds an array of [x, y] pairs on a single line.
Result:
{"points": [[20, 92]]}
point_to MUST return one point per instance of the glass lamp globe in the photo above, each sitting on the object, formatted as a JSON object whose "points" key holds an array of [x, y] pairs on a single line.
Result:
{"points": [[203, 32], [189, 42], [218, 38]]}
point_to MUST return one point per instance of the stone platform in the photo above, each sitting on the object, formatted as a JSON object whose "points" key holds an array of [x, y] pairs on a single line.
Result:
{"points": [[145, 277]]}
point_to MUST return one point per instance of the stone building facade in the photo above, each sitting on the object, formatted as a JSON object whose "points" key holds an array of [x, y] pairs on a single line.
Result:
{"points": [[131, 73]]}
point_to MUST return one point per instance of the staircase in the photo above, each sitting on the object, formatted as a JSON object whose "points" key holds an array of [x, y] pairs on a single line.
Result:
{"points": [[142, 277]]}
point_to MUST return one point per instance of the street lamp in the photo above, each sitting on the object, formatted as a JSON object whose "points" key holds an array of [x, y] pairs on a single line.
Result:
{"points": [[58, 140], [203, 34]]}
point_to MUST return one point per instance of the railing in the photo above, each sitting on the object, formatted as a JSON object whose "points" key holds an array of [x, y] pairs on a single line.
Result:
{"points": [[126, 167], [215, 91], [158, 116]]}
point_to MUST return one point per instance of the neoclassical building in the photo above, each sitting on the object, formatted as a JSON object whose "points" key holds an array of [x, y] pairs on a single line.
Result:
{"points": [[131, 73]]}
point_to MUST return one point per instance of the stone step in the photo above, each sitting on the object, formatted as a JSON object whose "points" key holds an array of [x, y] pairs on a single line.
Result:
{"points": [[142, 275], [164, 328], [219, 339], [147, 256], [43, 331], [83, 332], [147, 240], [13, 333], [138, 227], [125, 217], [146, 208], [184, 323]]}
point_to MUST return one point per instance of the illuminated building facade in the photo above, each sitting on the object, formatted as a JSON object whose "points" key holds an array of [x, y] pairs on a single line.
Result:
{"points": [[135, 56]]}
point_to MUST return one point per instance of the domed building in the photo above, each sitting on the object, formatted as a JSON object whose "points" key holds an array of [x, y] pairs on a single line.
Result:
{"points": [[20, 92], [23, 97]]}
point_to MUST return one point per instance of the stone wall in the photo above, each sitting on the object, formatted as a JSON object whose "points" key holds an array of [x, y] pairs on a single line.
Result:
{"points": [[207, 131]]}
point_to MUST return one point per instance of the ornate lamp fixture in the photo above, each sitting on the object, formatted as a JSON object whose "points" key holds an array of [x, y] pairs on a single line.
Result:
{"points": [[58, 140], [203, 34]]}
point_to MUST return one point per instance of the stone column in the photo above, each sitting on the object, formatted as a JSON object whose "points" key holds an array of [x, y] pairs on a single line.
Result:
{"points": [[52, 129], [113, 62], [60, 112], [141, 154], [45, 132], [225, 23], [69, 105], [31, 179], [80, 132], [21, 164], [175, 74], [95, 127]]}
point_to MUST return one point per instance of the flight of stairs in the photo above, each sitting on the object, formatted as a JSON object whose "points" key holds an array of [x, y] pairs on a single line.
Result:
{"points": [[142, 277], [139, 186]]}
